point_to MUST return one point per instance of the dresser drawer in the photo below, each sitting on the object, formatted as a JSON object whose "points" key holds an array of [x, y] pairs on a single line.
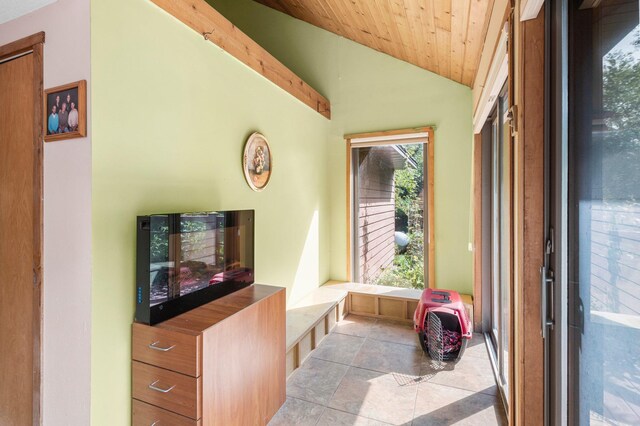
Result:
{"points": [[146, 415], [172, 391], [167, 349]]}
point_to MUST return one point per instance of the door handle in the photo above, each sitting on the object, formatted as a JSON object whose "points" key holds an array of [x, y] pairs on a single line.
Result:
{"points": [[545, 281]]}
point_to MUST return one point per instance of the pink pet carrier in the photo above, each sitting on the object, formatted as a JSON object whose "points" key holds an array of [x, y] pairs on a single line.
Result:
{"points": [[442, 324]]}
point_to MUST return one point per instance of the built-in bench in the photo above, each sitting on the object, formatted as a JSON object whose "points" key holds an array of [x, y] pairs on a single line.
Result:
{"points": [[309, 320], [312, 318], [380, 301]]}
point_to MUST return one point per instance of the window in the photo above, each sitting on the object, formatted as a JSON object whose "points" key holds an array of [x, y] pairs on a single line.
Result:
{"points": [[391, 203]]}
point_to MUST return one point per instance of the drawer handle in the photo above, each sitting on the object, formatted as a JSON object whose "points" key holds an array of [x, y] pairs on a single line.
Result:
{"points": [[160, 348], [156, 388], [155, 423]]}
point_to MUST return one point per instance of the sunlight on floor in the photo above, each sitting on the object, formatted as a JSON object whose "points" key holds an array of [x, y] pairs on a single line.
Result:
{"points": [[373, 372]]}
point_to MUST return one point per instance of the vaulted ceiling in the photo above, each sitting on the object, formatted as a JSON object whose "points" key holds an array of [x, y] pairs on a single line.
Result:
{"points": [[442, 36]]}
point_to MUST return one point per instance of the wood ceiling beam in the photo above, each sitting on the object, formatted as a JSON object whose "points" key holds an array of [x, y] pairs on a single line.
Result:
{"points": [[202, 18]]}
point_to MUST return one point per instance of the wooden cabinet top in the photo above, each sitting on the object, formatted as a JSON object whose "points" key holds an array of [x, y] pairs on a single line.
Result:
{"points": [[201, 318]]}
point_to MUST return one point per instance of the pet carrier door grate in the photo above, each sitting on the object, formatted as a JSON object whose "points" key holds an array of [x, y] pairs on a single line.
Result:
{"points": [[435, 337]]}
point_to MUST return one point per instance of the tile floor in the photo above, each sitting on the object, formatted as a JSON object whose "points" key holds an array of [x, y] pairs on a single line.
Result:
{"points": [[373, 372]]}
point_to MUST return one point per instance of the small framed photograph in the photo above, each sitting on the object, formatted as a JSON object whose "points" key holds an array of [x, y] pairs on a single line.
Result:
{"points": [[257, 162], [65, 111]]}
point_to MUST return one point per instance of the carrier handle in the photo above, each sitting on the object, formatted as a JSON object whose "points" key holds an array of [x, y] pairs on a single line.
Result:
{"points": [[444, 294]]}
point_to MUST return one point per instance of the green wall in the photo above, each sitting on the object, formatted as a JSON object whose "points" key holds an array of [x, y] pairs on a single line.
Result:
{"points": [[372, 91], [170, 114]]}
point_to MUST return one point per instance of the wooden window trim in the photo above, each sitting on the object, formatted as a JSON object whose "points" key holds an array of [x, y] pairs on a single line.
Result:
{"points": [[385, 133], [430, 246]]}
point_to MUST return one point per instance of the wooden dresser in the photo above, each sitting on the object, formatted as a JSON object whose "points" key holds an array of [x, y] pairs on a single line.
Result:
{"points": [[222, 363]]}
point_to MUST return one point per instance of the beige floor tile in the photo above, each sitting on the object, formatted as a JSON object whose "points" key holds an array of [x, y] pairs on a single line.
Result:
{"points": [[316, 380], [396, 332], [477, 347], [444, 405], [376, 396], [297, 412], [355, 325], [389, 357], [390, 381], [470, 373], [338, 347], [332, 417]]}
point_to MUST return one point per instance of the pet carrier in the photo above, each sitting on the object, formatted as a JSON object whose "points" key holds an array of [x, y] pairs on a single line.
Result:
{"points": [[442, 324]]}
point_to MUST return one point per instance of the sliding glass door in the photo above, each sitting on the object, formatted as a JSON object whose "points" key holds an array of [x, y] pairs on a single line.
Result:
{"points": [[597, 185], [604, 214], [501, 262]]}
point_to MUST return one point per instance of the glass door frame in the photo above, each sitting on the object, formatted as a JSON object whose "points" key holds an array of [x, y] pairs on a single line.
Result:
{"points": [[554, 319], [501, 235]]}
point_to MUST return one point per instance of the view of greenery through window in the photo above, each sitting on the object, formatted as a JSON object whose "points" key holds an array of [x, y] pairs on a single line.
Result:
{"points": [[407, 269], [621, 105]]}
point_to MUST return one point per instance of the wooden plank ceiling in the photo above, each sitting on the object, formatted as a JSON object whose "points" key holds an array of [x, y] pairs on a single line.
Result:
{"points": [[442, 36]]}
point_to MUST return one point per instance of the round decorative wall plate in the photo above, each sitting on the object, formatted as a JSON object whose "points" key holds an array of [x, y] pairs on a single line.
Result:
{"points": [[257, 162]]}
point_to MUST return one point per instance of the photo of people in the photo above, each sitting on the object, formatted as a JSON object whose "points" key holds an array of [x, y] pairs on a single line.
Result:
{"points": [[257, 162], [64, 114]]}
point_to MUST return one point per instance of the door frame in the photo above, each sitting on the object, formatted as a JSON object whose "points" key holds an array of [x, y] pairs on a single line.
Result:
{"points": [[500, 229], [526, 80], [34, 44], [530, 124], [391, 137]]}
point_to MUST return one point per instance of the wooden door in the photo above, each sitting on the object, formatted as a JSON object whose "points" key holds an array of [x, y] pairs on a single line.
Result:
{"points": [[20, 228]]}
